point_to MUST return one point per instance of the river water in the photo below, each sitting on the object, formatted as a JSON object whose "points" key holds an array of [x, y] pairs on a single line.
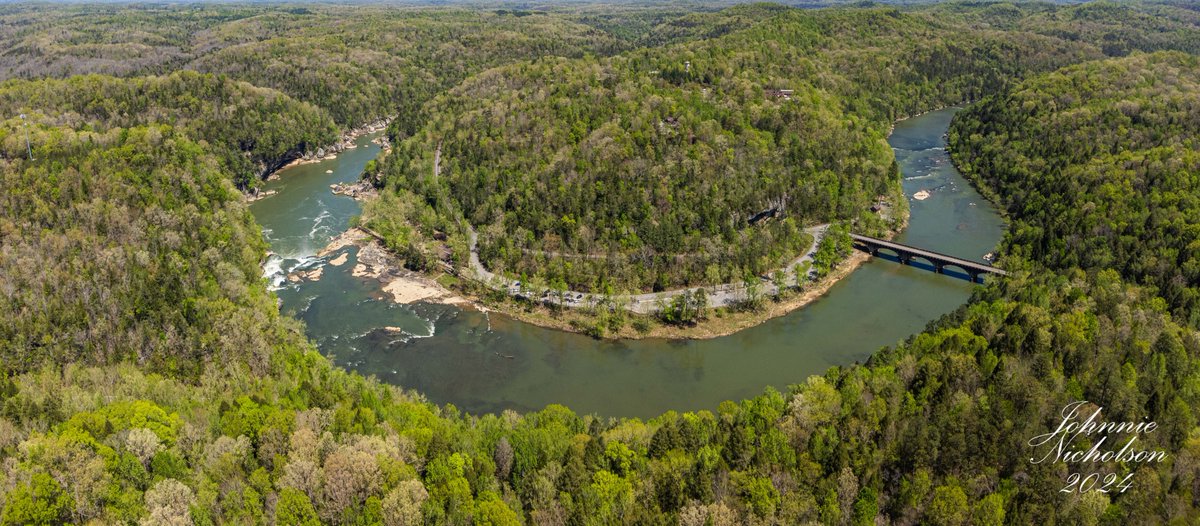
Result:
{"points": [[462, 356]]}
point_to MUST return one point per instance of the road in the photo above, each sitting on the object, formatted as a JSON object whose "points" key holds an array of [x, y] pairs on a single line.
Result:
{"points": [[718, 295]]}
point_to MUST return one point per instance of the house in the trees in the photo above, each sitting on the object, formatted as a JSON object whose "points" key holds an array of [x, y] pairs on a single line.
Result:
{"points": [[785, 94]]}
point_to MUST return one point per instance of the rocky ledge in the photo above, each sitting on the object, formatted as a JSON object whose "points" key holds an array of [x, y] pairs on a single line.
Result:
{"points": [[269, 170], [358, 190]]}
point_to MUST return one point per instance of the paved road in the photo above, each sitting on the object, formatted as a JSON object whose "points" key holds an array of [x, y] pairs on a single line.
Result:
{"points": [[718, 295]]}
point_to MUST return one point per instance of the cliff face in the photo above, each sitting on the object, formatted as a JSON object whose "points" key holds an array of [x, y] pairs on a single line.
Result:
{"points": [[304, 152], [267, 167]]}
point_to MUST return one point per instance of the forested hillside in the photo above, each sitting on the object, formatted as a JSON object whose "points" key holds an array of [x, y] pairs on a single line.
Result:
{"points": [[1116, 28], [1100, 161], [543, 157], [251, 130], [126, 240], [360, 64], [148, 376], [932, 431], [686, 164]]}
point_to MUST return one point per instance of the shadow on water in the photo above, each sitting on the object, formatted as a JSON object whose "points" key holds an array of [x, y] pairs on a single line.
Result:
{"points": [[922, 265]]}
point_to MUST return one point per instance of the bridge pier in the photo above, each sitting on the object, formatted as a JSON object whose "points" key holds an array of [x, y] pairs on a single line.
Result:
{"points": [[905, 254]]}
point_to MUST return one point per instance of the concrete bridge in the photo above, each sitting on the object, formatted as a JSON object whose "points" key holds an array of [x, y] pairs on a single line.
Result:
{"points": [[939, 261]]}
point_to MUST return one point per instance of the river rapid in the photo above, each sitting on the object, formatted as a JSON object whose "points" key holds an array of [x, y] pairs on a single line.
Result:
{"points": [[486, 362]]}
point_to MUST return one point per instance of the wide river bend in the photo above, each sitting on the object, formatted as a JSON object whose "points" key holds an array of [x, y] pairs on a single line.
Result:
{"points": [[462, 356]]}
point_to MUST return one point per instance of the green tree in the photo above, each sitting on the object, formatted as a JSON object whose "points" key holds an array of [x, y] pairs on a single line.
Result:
{"points": [[491, 511], [39, 501], [949, 506], [989, 511], [295, 508]]}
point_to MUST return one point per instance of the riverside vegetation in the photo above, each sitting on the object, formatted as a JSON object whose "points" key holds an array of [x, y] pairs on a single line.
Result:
{"points": [[148, 376], [685, 164]]}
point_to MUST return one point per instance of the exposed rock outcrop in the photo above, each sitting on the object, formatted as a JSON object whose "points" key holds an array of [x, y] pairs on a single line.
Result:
{"points": [[268, 168]]}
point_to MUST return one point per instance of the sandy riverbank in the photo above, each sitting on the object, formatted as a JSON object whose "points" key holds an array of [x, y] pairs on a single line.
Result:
{"points": [[297, 162], [403, 286], [376, 263], [715, 326]]}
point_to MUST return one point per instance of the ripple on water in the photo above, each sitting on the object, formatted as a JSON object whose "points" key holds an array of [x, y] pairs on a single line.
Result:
{"points": [[464, 359], [320, 228]]}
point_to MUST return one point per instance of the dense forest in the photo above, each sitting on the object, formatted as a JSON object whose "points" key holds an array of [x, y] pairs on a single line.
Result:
{"points": [[1116, 28], [148, 376], [252, 130], [129, 243], [352, 66], [359, 64], [1101, 161], [932, 432], [645, 170], [693, 163]]}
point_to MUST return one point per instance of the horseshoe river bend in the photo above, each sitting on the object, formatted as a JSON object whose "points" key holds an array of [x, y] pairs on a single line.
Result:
{"points": [[483, 362]]}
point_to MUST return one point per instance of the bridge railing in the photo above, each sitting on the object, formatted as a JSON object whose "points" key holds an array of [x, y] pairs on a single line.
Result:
{"points": [[945, 259]]}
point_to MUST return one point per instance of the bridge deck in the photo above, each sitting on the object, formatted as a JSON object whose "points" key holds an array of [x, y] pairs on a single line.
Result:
{"points": [[929, 254]]}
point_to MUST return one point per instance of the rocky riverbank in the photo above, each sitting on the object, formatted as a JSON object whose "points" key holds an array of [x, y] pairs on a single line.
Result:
{"points": [[359, 190], [374, 262], [578, 315], [271, 171], [256, 194], [329, 152]]}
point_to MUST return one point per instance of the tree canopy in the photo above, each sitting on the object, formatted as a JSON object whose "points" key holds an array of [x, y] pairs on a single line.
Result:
{"points": [[147, 375], [1100, 160], [657, 167]]}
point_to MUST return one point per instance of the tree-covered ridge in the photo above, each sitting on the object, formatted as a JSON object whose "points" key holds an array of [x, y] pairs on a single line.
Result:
{"points": [[362, 62], [705, 25], [930, 432], [1116, 28], [252, 130], [689, 164], [128, 244], [632, 22], [884, 64], [584, 158], [366, 64], [1016, 37], [61, 40], [359, 63], [1101, 160]]}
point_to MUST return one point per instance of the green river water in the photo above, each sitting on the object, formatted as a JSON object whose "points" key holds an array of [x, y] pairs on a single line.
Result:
{"points": [[454, 356]]}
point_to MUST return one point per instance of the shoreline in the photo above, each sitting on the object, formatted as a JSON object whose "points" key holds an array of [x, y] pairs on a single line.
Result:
{"points": [[376, 263], [330, 152], [326, 153], [714, 326], [404, 286]]}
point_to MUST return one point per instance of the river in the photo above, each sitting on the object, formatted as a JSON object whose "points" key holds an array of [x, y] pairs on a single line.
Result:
{"points": [[459, 356]]}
